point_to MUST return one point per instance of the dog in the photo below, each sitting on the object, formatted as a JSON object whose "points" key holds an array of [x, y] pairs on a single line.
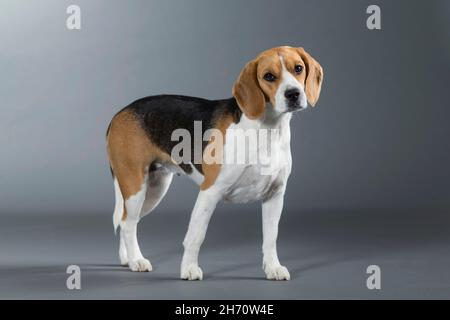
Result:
{"points": [[278, 82]]}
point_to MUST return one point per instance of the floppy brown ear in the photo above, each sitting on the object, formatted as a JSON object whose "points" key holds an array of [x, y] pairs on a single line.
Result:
{"points": [[248, 93], [314, 77]]}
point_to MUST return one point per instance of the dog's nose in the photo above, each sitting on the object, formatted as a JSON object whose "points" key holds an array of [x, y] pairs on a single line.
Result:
{"points": [[292, 94]]}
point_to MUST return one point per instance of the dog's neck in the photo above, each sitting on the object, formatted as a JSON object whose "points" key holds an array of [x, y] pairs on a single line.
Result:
{"points": [[275, 120], [270, 120]]}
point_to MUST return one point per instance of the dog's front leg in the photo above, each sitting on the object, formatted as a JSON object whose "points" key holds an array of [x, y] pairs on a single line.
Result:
{"points": [[201, 214], [271, 212]]}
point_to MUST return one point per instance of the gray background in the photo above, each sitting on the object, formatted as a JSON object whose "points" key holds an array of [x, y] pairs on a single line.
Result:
{"points": [[371, 176]]}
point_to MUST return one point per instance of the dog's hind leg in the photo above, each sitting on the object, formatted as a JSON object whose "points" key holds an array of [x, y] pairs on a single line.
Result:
{"points": [[138, 189], [128, 232], [117, 217], [158, 183]]}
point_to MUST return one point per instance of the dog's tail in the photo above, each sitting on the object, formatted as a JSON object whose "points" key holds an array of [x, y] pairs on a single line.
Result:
{"points": [[119, 207]]}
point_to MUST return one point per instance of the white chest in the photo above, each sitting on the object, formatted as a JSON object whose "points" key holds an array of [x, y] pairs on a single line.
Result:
{"points": [[258, 166], [253, 186]]}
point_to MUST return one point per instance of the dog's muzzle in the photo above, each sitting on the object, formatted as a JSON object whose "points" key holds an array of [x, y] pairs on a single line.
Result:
{"points": [[293, 100]]}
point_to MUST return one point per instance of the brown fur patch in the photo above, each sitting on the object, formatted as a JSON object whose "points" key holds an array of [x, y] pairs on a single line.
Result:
{"points": [[212, 170], [269, 62], [247, 91], [130, 153], [314, 76]]}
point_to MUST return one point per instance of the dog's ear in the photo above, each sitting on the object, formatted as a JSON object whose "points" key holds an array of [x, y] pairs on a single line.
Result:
{"points": [[248, 93], [314, 77]]}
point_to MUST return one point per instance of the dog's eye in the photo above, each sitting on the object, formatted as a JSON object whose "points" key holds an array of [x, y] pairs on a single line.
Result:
{"points": [[298, 68], [269, 77]]}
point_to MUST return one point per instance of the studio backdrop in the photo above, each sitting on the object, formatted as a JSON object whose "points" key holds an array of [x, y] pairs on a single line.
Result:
{"points": [[376, 144]]}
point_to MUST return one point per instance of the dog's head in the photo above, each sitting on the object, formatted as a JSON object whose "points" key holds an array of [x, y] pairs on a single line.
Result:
{"points": [[286, 77]]}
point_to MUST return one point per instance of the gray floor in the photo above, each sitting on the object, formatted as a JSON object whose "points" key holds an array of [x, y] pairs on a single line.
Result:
{"points": [[326, 251]]}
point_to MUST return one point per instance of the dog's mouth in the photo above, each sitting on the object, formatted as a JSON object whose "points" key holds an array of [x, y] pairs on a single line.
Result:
{"points": [[295, 108]]}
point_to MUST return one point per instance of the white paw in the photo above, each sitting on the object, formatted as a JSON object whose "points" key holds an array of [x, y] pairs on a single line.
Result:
{"points": [[140, 265], [191, 272], [277, 273]]}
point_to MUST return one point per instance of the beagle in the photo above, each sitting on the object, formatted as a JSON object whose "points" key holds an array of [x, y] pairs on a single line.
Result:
{"points": [[140, 147]]}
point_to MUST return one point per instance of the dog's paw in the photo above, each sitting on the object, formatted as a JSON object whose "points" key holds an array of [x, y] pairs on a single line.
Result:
{"points": [[277, 273], [140, 265], [191, 272]]}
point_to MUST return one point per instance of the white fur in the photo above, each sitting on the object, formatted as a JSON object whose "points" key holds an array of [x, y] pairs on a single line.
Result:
{"points": [[158, 183], [118, 208], [271, 212], [123, 256], [202, 212], [128, 232], [138, 205], [288, 82], [196, 176]]}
